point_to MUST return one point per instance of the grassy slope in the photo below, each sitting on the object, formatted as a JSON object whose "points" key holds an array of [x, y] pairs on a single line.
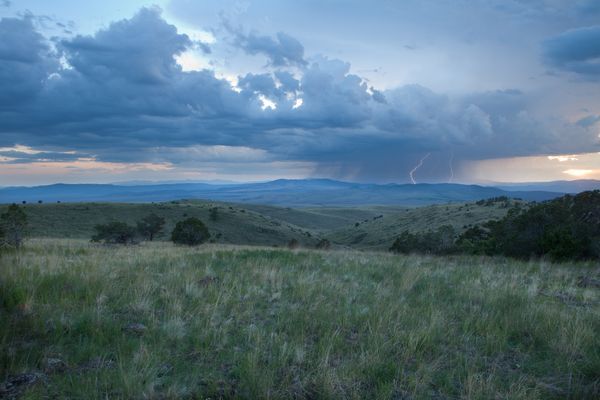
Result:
{"points": [[262, 225], [322, 218], [235, 224], [259, 323], [379, 234]]}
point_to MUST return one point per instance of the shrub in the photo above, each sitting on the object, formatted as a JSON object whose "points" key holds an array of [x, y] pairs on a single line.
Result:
{"points": [[150, 226], [213, 214], [114, 233], [190, 232], [13, 224], [474, 240], [405, 243], [561, 244], [323, 244], [440, 241]]}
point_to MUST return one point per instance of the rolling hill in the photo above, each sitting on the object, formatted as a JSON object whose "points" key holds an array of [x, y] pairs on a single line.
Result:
{"points": [[369, 227], [234, 224], [575, 186], [379, 233], [282, 192]]}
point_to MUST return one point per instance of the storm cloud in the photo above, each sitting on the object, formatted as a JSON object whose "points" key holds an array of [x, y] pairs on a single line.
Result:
{"points": [[282, 50], [120, 95], [576, 50]]}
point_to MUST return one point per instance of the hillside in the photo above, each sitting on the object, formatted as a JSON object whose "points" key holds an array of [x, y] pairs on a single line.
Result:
{"points": [[282, 192], [158, 321], [234, 224], [323, 218], [262, 225], [379, 233]]}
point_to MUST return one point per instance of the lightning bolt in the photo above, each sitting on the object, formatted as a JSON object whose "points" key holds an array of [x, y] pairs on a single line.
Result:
{"points": [[419, 165], [451, 169]]}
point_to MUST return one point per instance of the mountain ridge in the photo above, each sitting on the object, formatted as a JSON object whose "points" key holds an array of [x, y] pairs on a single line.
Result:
{"points": [[282, 192]]}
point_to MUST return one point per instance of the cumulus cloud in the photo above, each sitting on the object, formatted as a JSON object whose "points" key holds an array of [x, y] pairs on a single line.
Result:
{"points": [[282, 50], [120, 96], [24, 61], [576, 50], [140, 49]]}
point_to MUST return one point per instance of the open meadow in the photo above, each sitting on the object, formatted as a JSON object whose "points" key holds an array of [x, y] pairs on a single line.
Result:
{"points": [[87, 321]]}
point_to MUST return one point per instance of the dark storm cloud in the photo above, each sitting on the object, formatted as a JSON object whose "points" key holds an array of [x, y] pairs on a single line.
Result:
{"points": [[283, 50], [24, 62], [576, 50], [122, 95]]}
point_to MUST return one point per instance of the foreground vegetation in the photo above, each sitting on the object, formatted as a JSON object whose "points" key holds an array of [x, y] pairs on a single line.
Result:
{"points": [[157, 321]]}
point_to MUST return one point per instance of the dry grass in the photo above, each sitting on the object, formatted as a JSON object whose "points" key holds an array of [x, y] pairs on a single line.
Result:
{"points": [[241, 322]]}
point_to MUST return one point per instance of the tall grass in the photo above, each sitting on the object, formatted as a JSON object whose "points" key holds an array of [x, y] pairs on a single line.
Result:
{"points": [[240, 322]]}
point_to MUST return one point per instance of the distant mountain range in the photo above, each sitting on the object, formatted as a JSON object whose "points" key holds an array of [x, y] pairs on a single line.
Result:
{"points": [[291, 193], [577, 186]]}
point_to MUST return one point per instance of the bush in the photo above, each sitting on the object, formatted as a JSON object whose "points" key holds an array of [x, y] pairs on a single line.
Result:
{"points": [[405, 243], [475, 240], [323, 244], [13, 224], [440, 241], [213, 214], [190, 232], [150, 226], [114, 233]]}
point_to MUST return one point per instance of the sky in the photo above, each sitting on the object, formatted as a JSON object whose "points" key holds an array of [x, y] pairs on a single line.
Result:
{"points": [[465, 91]]}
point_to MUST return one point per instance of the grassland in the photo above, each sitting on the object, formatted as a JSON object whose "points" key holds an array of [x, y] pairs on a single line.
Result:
{"points": [[159, 321], [378, 233], [368, 227], [234, 224]]}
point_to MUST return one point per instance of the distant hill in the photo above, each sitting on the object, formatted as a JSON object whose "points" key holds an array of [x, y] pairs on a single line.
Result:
{"points": [[368, 227], [282, 192], [378, 233], [234, 224], [576, 186]]}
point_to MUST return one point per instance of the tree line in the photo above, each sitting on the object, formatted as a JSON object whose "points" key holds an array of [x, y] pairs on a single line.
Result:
{"points": [[566, 228]]}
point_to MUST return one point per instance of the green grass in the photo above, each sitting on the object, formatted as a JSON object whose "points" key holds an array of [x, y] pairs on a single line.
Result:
{"points": [[239, 322], [261, 225], [235, 224], [380, 233], [323, 219]]}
